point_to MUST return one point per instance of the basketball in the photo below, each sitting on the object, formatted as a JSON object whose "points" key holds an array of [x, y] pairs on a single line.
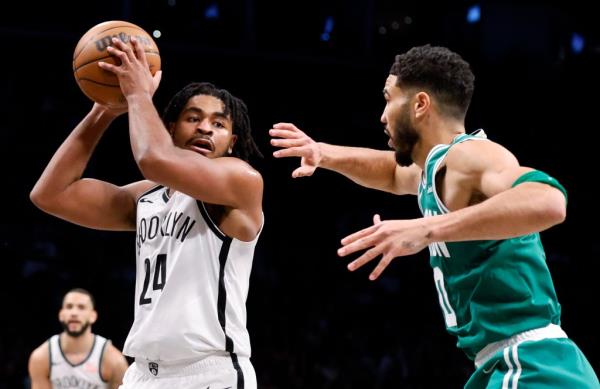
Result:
{"points": [[101, 85]]}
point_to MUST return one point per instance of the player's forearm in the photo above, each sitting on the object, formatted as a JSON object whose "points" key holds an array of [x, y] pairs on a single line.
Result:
{"points": [[522, 210], [367, 167], [150, 141], [70, 160]]}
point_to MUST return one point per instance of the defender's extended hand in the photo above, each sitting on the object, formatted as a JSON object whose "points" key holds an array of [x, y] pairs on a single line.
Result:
{"points": [[296, 143], [390, 238]]}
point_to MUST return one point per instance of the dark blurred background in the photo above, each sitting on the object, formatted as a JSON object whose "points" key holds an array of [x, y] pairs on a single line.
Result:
{"points": [[322, 65]]}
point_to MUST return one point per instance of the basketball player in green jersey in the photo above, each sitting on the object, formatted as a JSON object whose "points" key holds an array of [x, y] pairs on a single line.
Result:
{"points": [[482, 214]]}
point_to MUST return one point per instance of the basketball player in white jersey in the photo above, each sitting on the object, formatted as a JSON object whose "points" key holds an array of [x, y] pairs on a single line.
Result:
{"points": [[197, 218], [77, 358]]}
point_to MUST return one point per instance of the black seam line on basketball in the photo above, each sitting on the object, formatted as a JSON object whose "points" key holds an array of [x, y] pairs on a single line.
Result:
{"points": [[102, 32], [98, 83], [151, 190], [222, 294], [100, 363], [105, 57], [238, 369]]}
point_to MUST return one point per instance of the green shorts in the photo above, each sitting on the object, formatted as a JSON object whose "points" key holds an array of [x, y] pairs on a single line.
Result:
{"points": [[540, 364]]}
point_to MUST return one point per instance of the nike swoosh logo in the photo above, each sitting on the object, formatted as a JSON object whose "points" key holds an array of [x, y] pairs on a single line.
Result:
{"points": [[146, 201], [429, 190], [488, 371]]}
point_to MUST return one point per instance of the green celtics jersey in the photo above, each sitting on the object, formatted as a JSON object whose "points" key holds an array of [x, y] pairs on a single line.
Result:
{"points": [[488, 290]]}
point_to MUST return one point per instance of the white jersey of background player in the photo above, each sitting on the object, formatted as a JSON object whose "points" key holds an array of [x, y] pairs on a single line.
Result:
{"points": [[77, 358], [200, 214]]}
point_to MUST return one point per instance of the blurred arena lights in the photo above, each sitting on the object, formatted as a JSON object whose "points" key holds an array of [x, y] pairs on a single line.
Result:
{"points": [[327, 28], [577, 43], [474, 14]]}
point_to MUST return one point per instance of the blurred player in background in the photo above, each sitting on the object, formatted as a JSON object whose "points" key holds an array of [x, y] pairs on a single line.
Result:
{"points": [[77, 358]]}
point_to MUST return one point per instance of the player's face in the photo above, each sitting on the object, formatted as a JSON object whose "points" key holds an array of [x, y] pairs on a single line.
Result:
{"points": [[398, 124], [76, 314], [203, 127]]}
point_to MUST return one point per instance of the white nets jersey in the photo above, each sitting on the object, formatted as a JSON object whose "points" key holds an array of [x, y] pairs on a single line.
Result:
{"points": [[191, 282], [84, 375]]}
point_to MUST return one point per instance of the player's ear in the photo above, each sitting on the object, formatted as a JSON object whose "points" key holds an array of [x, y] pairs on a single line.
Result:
{"points": [[233, 140], [421, 104], [94, 316]]}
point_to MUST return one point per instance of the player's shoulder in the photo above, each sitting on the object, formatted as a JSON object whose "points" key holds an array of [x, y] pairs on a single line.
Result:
{"points": [[40, 356], [476, 155], [243, 169], [239, 163], [140, 188]]}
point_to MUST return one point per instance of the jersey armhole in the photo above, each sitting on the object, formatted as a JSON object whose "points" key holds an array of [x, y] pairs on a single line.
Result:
{"points": [[102, 359], [49, 358]]}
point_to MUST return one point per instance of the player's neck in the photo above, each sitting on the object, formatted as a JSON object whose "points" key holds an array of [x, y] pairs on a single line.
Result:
{"points": [[75, 345], [438, 131]]}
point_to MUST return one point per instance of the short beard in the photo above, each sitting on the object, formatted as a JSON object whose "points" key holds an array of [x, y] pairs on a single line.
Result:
{"points": [[75, 334], [404, 144]]}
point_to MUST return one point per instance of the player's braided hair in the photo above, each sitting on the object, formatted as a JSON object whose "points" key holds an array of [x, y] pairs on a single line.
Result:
{"points": [[236, 109], [440, 72]]}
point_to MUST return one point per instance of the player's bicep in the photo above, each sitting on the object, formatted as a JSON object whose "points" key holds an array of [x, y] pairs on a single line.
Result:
{"points": [[497, 169], [225, 181], [99, 205], [496, 181]]}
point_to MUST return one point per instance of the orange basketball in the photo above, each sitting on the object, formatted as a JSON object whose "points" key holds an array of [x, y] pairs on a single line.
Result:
{"points": [[101, 85]]}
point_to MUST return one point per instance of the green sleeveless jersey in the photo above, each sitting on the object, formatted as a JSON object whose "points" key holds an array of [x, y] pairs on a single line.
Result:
{"points": [[488, 290]]}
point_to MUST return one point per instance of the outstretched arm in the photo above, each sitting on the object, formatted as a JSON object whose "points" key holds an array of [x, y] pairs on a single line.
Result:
{"points": [[62, 192], [507, 211], [376, 169]]}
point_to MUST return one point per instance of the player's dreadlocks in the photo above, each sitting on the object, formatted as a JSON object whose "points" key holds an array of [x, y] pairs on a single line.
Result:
{"points": [[245, 147]]}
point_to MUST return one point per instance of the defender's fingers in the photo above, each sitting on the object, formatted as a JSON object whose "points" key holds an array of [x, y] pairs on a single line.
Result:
{"points": [[286, 134], [287, 142], [303, 171], [364, 259], [292, 152], [357, 235], [286, 126], [381, 266], [361, 243]]}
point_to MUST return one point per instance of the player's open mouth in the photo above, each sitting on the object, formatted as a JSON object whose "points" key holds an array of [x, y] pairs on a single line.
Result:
{"points": [[202, 146]]}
